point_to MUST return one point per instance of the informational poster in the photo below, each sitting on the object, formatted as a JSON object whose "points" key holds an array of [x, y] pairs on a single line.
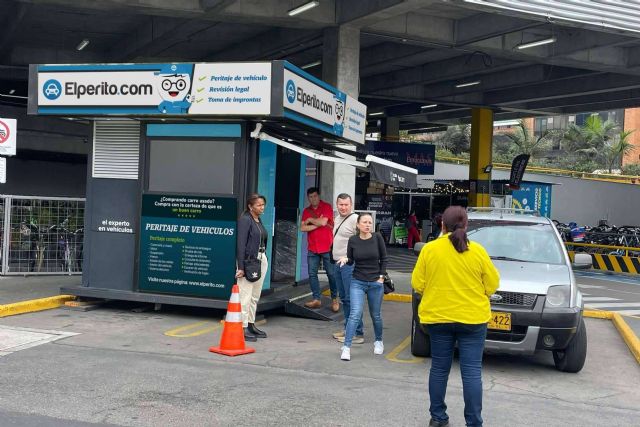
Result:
{"points": [[188, 245], [533, 197], [419, 156]]}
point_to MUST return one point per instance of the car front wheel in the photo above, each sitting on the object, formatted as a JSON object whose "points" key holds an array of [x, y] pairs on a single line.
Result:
{"points": [[420, 342], [572, 358]]}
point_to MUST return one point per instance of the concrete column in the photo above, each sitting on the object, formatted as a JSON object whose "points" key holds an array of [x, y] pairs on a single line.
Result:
{"points": [[481, 143], [390, 129], [340, 68]]}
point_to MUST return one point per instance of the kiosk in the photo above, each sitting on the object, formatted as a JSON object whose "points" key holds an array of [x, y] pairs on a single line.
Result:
{"points": [[176, 148]]}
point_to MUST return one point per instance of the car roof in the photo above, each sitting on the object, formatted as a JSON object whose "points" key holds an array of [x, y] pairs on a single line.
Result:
{"points": [[508, 215]]}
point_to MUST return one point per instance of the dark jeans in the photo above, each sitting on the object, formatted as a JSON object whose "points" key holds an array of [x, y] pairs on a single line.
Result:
{"points": [[470, 340], [313, 260]]}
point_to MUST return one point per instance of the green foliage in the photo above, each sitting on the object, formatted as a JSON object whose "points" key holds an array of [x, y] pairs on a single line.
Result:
{"points": [[456, 139], [631, 169], [526, 143]]}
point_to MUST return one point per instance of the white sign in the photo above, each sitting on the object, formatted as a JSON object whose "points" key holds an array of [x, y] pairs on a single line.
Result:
{"points": [[232, 89], [215, 89], [331, 110], [8, 129], [3, 170]]}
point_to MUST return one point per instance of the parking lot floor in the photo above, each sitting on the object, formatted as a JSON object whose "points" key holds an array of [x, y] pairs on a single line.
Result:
{"points": [[151, 368]]}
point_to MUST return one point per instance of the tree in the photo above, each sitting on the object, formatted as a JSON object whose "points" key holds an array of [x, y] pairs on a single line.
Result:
{"points": [[526, 143], [456, 139], [598, 141]]}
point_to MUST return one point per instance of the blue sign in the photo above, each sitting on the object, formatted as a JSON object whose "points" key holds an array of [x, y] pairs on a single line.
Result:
{"points": [[418, 156], [52, 89], [534, 197]]}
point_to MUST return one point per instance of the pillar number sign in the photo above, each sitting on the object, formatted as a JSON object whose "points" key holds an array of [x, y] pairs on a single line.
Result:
{"points": [[188, 245]]}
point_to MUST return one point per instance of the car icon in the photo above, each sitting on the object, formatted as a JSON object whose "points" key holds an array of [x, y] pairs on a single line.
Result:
{"points": [[52, 89]]}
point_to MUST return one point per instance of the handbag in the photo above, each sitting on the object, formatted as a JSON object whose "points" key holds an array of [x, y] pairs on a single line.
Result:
{"points": [[331, 260], [252, 269], [388, 284]]}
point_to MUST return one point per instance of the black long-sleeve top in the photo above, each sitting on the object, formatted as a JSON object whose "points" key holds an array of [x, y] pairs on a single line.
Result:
{"points": [[369, 256], [252, 236]]}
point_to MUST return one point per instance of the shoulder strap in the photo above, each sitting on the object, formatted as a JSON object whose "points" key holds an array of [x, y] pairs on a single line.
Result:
{"points": [[338, 229]]}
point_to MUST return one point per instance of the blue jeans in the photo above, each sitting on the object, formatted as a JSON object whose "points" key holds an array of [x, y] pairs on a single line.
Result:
{"points": [[470, 340], [344, 276], [374, 292], [313, 260]]}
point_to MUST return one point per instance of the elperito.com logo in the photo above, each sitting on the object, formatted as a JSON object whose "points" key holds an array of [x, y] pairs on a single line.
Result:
{"points": [[52, 89]]}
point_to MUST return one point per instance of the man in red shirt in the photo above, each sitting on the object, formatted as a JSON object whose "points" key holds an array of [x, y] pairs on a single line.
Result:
{"points": [[317, 221]]}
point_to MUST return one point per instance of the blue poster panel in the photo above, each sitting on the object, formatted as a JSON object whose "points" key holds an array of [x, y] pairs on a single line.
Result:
{"points": [[534, 197], [188, 245]]}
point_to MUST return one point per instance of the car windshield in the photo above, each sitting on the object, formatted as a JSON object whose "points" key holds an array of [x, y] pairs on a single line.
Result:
{"points": [[517, 241]]}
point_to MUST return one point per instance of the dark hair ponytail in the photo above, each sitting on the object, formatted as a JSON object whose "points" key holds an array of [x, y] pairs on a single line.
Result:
{"points": [[455, 220]]}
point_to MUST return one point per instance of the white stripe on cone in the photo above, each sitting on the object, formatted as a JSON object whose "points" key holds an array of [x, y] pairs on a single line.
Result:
{"points": [[233, 316], [235, 297]]}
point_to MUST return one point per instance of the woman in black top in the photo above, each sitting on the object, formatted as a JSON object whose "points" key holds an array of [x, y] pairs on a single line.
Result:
{"points": [[368, 252], [251, 245]]}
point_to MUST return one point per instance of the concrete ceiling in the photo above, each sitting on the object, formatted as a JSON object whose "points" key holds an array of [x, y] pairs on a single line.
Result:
{"points": [[413, 52]]}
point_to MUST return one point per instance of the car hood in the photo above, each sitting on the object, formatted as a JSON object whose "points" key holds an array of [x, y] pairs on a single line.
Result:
{"points": [[531, 277]]}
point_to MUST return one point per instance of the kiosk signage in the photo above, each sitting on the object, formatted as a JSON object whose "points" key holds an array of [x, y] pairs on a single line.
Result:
{"points": [[237, 89], [188, 245], [317, 104]]}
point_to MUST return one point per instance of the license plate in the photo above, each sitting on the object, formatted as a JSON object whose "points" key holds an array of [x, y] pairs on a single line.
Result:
{"points": [[500, 321]]}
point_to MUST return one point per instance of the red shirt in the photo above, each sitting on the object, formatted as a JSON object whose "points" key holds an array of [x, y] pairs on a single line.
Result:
{"points": [[320, 239]]}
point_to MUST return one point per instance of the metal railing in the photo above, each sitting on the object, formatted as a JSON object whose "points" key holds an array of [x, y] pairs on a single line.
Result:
{"points": [[41, 235]]}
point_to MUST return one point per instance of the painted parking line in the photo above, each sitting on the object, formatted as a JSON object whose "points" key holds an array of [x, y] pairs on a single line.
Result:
{"points": [[598, 299], [393, 355], [200, 328]]}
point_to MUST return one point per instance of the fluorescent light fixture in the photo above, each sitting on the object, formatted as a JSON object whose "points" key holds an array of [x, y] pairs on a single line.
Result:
{"points": [[477, 82], [12, 91], [429, 106], [537, 43], [311, 64], [379, 113], [82, 44], [303, 8]]}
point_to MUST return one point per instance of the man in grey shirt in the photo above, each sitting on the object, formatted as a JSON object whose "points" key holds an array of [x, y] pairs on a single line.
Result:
{"points": [[344, 226]]}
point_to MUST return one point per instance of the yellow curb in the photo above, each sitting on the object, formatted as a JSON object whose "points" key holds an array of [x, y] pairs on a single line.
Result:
{"points": [[625, 331], [34, 305], [397, 297]]}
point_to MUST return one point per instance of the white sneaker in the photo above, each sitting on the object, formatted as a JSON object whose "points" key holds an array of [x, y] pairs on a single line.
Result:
{"points": [[378, 347], [346, 353]]}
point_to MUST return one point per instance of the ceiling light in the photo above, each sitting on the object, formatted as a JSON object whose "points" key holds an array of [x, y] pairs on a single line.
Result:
{"points": [[12, 91], [537, 43], [429, 106], [82, 44], [379, 113], [477, 82], [303, 8], [311, 65]]}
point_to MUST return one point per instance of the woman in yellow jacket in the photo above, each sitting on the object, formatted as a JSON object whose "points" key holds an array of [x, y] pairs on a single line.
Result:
{"points": [[455, 278]]}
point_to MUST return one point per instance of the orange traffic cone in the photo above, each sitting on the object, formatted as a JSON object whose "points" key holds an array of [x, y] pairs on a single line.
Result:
{"points": [[232, 340]]}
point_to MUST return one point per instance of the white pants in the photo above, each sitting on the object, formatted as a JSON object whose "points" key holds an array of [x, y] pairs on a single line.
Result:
{"points": [[250, 293]]}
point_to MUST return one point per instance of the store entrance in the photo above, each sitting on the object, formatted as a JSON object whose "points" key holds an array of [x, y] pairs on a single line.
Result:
{"points": [[286, 217]]}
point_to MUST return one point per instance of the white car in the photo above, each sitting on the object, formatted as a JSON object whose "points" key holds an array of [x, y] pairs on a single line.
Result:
{"points": [[538, 305]]}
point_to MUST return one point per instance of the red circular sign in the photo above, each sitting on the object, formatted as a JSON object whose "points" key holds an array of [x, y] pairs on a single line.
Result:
{"points": [[4, 132]]}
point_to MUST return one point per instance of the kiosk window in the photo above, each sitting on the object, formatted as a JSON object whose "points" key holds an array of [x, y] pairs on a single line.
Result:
{"points": [[199, 166]]}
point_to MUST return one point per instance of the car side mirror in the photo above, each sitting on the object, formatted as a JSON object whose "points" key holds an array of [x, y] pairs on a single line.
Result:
{"points": [[582, 261], [418, 247]]}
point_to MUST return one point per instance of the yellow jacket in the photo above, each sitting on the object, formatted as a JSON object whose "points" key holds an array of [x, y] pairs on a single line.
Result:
{"points": [[455, 286]]}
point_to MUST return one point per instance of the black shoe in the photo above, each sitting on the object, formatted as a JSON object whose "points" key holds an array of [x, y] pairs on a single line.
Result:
{"points": [[434, 423], [257, 332], [248, 336]]}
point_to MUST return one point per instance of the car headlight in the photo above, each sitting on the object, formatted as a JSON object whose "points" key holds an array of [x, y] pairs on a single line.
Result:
{"points": [[558, 296]]}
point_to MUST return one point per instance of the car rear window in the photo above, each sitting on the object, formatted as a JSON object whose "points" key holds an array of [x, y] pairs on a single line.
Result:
{"points": [[524, 241]]}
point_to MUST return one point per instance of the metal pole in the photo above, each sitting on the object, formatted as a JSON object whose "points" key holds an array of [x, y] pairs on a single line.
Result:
{"points": [[6, 238]]}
